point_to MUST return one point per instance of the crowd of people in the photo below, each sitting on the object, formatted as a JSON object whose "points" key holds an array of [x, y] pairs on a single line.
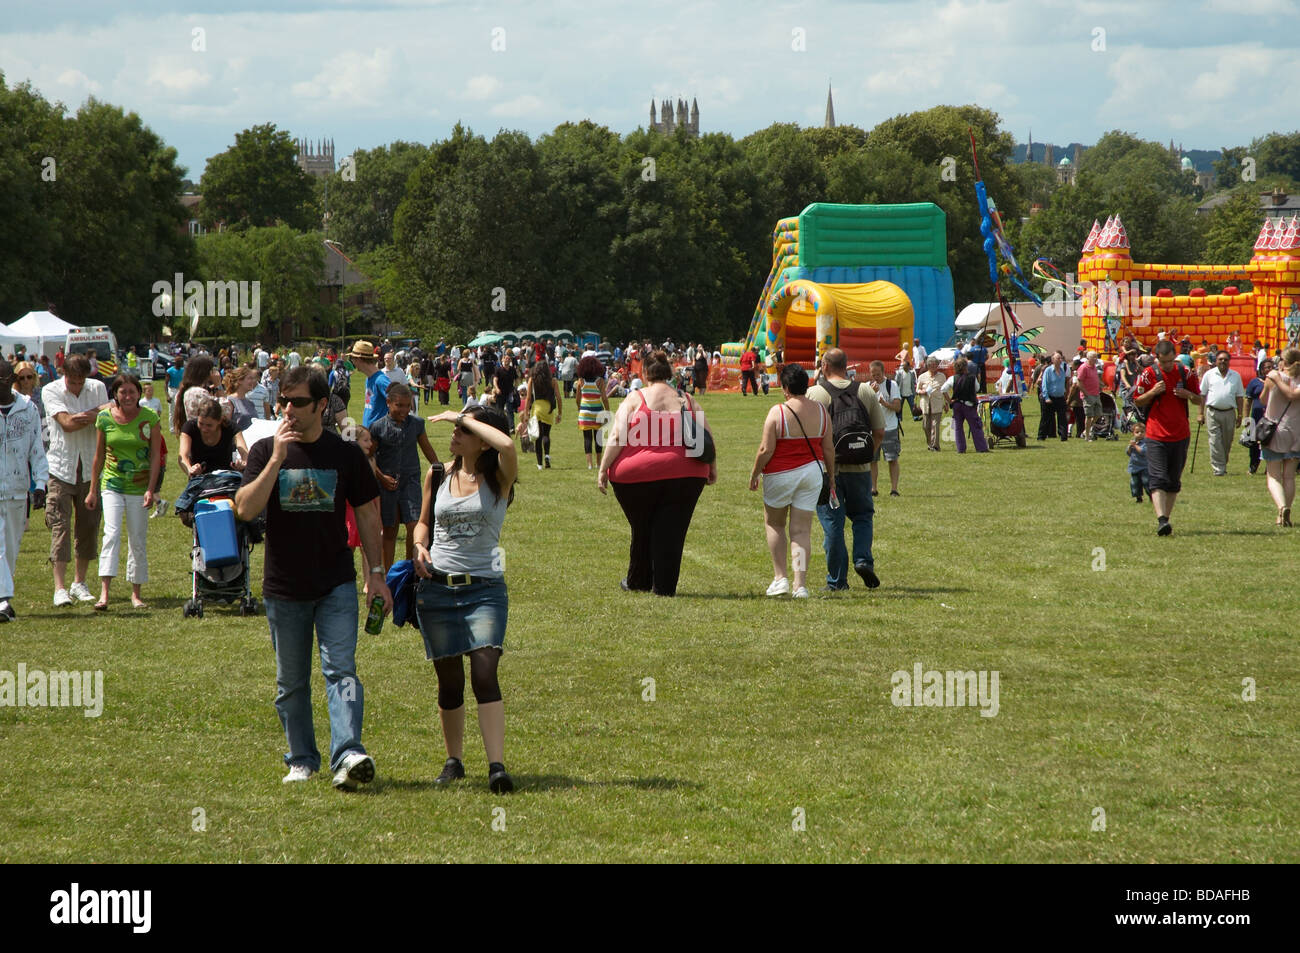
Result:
{"points": [[92, 454]]}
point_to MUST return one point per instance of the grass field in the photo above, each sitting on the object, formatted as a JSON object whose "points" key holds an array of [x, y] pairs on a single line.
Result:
{"points": [[1121, 688]]}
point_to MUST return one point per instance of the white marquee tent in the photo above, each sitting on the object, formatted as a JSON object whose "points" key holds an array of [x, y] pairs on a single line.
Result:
{"points": [[41, 332]]}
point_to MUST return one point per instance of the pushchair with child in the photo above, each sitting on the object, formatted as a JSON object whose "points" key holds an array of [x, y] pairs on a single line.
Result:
{"points": [[223, 545]]}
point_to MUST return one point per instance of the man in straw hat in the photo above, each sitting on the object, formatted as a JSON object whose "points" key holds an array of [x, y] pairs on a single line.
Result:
{"points": [[364, 356]]}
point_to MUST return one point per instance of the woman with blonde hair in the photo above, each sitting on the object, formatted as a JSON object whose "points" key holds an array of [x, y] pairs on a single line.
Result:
{"points": [[1281, 399]]}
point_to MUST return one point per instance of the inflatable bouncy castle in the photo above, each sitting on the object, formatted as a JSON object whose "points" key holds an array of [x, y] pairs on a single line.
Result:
{"points": [[864, 278], [1273, 271]]}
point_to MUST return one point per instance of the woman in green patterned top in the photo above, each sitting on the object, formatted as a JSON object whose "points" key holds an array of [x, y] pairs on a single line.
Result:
{"points": [[127, 449]]}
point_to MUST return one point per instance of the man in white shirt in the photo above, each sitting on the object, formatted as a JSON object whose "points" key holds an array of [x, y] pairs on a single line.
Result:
{"points": [[262, 358], [294, 359], [891, 402], [71, 406], [1223, 410], [918, 353], [905, 377], [568, 370], [392, 370]]}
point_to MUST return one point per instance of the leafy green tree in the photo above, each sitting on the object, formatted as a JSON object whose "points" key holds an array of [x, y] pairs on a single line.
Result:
{"points": [[938, 141], [118, 224], [257, 182], [288, 267], [31, 130], [364, 196], [1232, 229], [1278, 154], [1228, 168]]}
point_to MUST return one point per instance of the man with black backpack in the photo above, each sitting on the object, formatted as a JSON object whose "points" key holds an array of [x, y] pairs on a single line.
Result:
{"points": [[857, 428], [1161, 397]]}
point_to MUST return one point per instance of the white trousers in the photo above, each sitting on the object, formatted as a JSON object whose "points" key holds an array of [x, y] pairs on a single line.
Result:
{"points": [[119, 508], [13, 523]]}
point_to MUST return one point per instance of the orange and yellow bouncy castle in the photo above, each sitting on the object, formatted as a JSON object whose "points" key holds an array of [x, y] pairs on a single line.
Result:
{"points": [[1111, 276]]}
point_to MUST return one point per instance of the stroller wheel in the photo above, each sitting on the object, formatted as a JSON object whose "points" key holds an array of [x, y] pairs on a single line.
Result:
{"points": [[187, 610], [198, 608], [1021, 440]]}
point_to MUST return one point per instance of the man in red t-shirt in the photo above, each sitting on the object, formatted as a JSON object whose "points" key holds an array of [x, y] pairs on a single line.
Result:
{"points": [[747, 378], [1163, 390]]}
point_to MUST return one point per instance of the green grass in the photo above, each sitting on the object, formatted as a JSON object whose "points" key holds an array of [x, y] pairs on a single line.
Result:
{"points": [[1120, 689]]}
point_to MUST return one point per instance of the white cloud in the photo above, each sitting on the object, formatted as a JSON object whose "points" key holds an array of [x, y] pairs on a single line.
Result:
{"points": [[479, 87], [526, 106], [77, 80], [352, 79], [172, 75]]}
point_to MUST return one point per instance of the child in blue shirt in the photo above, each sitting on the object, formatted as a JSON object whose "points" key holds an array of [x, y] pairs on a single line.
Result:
{"points": [[1137, 462], [399, 438]]}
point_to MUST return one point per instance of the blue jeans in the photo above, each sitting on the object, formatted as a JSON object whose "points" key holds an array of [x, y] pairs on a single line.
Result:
{"points": [[334, 619], [854, 492]]}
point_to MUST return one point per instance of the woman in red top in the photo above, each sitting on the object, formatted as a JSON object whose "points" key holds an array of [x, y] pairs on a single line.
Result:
{"points": [[796, 447], [657, 475]]}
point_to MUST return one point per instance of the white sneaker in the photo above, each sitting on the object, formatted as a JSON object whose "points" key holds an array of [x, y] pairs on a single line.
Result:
{"points": [[297, 772], [356, 769], [800, 593], [79, 592], [7, 613], [61, 598], [779, 587]]}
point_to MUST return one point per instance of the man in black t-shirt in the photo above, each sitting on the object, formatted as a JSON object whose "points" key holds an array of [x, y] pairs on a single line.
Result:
{"points": [[304, 477], [507, 378]]}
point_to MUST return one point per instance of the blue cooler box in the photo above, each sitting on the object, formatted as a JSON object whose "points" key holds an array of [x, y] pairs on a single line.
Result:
{"points": [[214, 524]]}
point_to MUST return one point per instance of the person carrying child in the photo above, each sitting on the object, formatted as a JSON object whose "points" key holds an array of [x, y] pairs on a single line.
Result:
{"points": [[397, 467], [1138, 480]]}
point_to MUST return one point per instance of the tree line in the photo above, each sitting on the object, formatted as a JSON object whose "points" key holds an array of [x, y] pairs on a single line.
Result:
{"points": [[641, 234]]}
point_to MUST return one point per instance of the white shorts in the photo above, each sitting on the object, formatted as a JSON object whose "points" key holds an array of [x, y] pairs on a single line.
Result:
{"points": [[799, 487]]}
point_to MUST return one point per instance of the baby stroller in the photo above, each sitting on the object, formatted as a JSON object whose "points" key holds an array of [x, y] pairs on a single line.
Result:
{"points": [[223, 545], [1006, 421], [1107, 426]]}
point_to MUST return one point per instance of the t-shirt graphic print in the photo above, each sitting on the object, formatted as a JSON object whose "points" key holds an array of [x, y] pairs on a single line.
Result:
{"points": [[308, 490]]}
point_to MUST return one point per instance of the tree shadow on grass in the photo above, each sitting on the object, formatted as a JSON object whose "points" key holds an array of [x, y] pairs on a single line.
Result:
{"points": [[1270, 530], [525, 783], [885, 589]]}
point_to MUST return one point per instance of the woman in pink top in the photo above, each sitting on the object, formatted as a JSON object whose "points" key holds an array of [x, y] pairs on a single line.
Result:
{"points": [[796, 447], [657, 476]]}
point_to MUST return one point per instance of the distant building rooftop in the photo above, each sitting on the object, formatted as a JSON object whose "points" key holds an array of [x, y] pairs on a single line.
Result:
{"points": [[1275, 202]]}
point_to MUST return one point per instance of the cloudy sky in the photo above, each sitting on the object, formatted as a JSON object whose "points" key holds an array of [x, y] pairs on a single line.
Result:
{"points": [[1206, 73]]}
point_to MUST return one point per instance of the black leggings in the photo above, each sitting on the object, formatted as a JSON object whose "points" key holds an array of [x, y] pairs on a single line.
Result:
{"points": [[482, 678], [590, 437], [543, 441]]}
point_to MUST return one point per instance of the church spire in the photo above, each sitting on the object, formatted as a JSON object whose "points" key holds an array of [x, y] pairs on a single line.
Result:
{"points": [[830, 109]]}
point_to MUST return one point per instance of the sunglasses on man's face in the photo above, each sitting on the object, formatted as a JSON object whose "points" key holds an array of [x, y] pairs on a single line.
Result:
{"points": [[299, 402]]}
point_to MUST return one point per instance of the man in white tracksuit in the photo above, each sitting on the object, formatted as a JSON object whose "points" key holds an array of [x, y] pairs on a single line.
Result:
{"points": [[22, 462]]}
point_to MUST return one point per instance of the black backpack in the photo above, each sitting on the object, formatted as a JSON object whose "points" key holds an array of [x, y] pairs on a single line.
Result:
{"points": [[850, 424], [1141, 413], [343, 386]]}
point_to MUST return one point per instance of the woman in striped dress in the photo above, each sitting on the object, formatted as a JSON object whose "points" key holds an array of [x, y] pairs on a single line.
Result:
{"points": [[593, 405]]}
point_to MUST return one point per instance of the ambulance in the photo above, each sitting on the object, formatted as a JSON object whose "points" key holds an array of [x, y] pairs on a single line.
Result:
{"points": [[100, 340]]}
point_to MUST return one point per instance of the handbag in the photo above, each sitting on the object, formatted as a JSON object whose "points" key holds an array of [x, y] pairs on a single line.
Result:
{"points": [[1265, 431], [708, 450], [1248, 434], [824, 496]]}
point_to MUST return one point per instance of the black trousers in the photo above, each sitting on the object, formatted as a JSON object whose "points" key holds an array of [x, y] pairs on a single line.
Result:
{"points": [[1059, 419], [659, 512]]}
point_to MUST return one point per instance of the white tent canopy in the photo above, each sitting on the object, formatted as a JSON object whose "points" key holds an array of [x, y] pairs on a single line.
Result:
{"points": [[41, 332]]}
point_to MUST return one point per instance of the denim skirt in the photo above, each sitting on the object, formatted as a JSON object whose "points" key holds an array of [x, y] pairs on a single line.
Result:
{"points": [[455, 620]]}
